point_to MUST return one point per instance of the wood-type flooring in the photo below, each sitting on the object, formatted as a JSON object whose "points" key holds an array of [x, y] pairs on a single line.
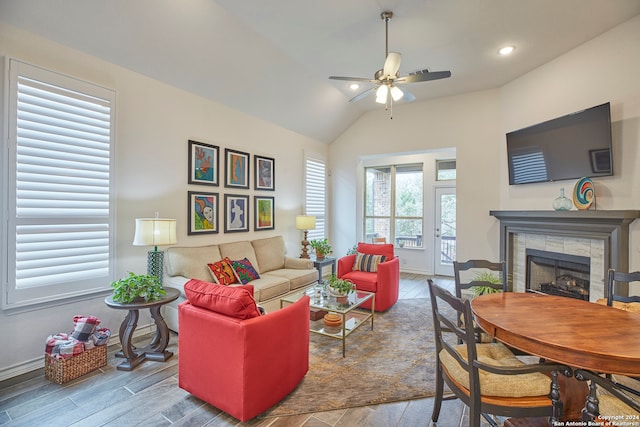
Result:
{"points": [[149, 396]]}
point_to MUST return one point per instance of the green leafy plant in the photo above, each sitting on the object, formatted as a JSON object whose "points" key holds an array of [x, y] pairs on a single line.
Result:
{"points": [[134, 286], [489, 277], [353, 250], [340, 286], [321, 246]]}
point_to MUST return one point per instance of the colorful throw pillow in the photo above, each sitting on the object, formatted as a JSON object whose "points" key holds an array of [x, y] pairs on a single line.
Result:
{"points": [[244, 271], [233, 301], [367, 262], [222, 272]]}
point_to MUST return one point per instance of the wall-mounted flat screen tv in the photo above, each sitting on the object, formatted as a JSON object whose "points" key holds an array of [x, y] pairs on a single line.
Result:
{"points": [[569, 147]]}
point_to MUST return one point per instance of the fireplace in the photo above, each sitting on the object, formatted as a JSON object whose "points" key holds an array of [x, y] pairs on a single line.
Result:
{"points": [[600, 235], [558, 274]]}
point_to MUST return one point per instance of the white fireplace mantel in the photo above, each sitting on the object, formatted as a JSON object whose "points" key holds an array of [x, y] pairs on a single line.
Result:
{"points": [[609, 226]]}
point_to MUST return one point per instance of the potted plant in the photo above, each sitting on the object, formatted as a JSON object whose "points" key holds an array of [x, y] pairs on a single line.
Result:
{"points": [[339, 287], [321, 246], [137, 287], [489, 277]]}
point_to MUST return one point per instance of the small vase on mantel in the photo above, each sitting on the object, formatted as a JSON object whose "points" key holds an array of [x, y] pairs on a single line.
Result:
{"points": [[562, 203]]}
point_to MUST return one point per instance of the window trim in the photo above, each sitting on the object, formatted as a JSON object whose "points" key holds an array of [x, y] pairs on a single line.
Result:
{"points": [[52, 294]]}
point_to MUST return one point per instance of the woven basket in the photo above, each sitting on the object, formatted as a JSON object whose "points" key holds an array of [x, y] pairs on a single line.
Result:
{"points": [[62, 370]]}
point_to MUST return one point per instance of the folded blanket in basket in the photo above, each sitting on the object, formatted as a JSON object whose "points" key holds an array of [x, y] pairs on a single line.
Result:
{"points": [[101, 336], [85, 326], [62, 346]]}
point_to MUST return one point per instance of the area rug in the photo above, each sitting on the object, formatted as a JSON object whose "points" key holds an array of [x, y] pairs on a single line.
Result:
{"points": [[394, 362]]}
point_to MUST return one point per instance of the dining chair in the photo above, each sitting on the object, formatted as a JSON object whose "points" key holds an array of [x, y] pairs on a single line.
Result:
{"points": [[480, 267], [615, 277], [608, 400], [487, 377], [482, 270]]}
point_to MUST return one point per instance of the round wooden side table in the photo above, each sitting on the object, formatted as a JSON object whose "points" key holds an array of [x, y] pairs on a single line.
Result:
{"points": [[156, 349]]}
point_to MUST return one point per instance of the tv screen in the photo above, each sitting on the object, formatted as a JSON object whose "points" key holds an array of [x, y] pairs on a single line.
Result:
{"points": [[569, 147]]}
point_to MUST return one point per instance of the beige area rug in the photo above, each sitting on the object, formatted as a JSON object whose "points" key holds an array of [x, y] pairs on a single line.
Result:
{"points": [[394, 362]]}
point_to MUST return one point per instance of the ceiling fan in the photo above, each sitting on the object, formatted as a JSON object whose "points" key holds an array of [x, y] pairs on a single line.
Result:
{"points": [[388, 78]]}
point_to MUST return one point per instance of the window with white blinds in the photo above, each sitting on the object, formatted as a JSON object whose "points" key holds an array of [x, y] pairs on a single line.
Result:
{"points": [[60, 224], [315, 195]]}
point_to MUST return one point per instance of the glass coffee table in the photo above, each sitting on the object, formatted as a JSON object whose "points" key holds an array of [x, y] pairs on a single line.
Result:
{"points": [[345, 307]]}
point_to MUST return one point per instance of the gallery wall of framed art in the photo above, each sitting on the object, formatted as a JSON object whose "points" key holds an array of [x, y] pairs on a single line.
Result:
{"points": [[206, 209]]}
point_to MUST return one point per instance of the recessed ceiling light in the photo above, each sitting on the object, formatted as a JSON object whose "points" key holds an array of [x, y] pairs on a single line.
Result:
{"points": [[354, 86], [507, 50]]}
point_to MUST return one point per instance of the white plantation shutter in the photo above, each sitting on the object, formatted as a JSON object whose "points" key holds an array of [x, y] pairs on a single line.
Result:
{"points": [[60, 204], [315, 195]]}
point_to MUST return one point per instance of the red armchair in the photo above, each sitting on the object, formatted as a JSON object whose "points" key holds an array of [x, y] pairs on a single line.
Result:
{"points": [[385, 282], [233, 358]]}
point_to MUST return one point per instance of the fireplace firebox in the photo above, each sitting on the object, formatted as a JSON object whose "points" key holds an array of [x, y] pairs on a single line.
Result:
{"points": [[558, 274]]}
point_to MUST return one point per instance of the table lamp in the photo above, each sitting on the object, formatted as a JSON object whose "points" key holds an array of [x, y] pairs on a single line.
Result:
{"points": [[155, 232], [306, 223]]}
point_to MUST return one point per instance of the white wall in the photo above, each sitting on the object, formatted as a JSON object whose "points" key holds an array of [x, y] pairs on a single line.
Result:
{"points": [[468, 124], [153, 124], [604, 69]]}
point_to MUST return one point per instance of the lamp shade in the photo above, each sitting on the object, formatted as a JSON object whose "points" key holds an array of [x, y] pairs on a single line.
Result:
{"points": [[305, 222], [155, 232]]}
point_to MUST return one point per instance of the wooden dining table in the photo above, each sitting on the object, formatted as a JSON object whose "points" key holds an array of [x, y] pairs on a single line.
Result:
{"points": [[574, 332]]}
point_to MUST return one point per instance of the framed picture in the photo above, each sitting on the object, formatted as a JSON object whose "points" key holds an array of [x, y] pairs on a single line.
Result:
{"points": [[264, 173], [204, 163], [203, 213], [236, 169], [264, 213], [236, 210]]}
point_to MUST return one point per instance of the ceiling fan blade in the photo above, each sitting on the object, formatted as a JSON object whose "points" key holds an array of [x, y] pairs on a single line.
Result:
{"points": [[391, 65], [408, 96], [424, 76], [353, 79], [363, 95]]}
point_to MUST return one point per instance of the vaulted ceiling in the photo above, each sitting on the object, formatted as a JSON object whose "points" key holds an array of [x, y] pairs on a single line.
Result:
{"points": [[272, 59]]}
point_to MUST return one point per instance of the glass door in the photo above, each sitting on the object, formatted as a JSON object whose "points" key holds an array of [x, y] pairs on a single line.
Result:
{"points": [[445, 231]]}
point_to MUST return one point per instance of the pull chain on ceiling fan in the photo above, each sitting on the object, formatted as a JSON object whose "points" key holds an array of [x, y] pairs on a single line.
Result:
{"points": [[388, 78]]}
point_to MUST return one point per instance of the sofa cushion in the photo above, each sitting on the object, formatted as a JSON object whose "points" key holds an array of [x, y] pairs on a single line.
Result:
{"points": [[270, 253], [373, 249], [244, 271], [222, 272], [297, 278], [368, 262], [240, 250], [191, 261], [232, 301]]}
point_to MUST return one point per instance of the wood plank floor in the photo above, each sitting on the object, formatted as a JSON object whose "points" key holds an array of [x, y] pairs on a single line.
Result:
{"points": [[149, 396]]}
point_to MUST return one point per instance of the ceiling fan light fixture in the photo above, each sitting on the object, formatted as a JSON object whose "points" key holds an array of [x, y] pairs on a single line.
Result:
{"points": [[354, 86], [396, 93], [381, 94]]}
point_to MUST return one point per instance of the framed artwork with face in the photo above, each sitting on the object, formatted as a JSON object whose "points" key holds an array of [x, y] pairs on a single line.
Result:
{"points": [[202, 213]]}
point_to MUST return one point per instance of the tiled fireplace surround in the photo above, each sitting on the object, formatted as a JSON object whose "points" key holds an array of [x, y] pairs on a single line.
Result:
{"points": [[603, 236]]}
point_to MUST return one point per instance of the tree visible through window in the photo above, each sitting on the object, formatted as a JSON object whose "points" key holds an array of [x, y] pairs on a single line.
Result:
{"points": [[394, 204]]}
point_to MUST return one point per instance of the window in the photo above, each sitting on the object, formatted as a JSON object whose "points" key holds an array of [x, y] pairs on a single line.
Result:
{"points": [[445, 170], [59, 177], [394, 204], [315, 195]]}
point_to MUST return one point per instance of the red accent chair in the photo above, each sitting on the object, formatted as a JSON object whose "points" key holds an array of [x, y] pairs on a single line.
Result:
{"points": [[385, 283], [233, 358]]}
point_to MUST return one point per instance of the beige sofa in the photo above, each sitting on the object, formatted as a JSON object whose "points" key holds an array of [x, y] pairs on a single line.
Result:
{"points": [[279, 274]]}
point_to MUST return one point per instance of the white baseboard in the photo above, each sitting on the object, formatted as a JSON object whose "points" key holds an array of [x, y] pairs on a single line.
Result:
{"points": [[38, 362]]}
